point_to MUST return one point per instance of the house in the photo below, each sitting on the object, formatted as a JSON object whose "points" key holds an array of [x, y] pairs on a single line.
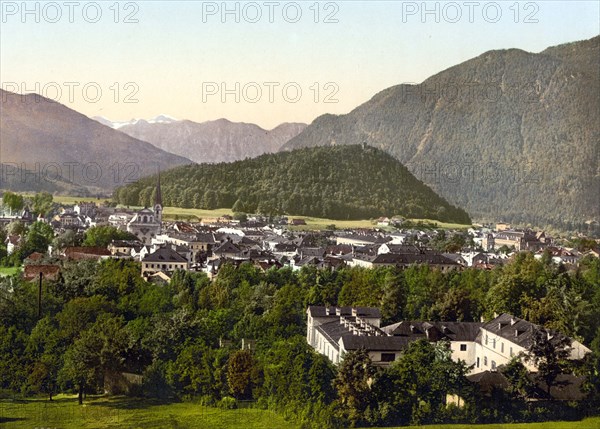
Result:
{"points": [[123, 247], [199, 244], [86, 252], [433, 259], [48, 272], [227, 250], [383, 221], [326, 327], [85, 208], [333, 331], [163, 259], [507, 336], [360, 239], [12, 243]]}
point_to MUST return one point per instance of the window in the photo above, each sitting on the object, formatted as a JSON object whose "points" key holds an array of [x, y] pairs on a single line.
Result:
{"points": [[501, 347], [477, 362], [494, 343], [493, 364], [511, 352], [463, 347], [485, 360], [388, 357], [486, 340]]}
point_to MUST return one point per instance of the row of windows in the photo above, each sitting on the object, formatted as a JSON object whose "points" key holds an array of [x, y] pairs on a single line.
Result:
{"points": [[164, 266], [487, 340], [485, 362]]}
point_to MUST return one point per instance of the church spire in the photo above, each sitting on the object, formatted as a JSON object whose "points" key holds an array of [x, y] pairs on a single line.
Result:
{"points": [[158, 201]]}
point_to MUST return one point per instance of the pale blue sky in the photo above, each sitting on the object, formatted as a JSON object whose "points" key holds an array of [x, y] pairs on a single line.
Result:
{"points": [[176, 51]]}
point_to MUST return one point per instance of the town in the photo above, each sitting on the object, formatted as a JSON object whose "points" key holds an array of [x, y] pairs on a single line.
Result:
{"points": [[378, 297], [162, 247]]}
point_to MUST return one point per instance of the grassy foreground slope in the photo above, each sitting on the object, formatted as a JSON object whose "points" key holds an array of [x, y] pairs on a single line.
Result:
{"points": [[129, 413]]}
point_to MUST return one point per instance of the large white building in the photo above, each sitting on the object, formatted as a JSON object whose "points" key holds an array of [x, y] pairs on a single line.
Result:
{"points": [[333, 331]]}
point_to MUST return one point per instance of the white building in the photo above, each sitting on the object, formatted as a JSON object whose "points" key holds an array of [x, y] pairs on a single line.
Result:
{"points": [[332, 331]]}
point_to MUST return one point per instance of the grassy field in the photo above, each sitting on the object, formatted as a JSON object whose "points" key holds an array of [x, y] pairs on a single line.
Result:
{"points": [[591, 423], [128, 413], [172, 213], [122, 413], [8, 271], [312, 223], [67, 199]]}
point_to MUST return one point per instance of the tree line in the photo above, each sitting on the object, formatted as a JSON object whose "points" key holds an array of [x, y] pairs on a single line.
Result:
{"points": [[101, 319]]}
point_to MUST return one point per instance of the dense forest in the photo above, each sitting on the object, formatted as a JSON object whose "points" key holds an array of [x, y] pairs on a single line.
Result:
{"points": [[185, 337], [346, 182]]}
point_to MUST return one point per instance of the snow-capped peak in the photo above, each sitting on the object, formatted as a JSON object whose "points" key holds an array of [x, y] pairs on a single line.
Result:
{"points": [[160, 119]]}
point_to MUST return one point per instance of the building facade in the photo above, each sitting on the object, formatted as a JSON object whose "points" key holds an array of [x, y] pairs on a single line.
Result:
{"points": [[333, 331]]}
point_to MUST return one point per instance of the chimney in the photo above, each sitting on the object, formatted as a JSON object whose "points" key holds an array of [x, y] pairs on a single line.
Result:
{"points": [[512, 321]]}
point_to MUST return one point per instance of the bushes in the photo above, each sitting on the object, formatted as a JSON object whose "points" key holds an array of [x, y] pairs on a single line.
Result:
{"points": [[227, 403]]}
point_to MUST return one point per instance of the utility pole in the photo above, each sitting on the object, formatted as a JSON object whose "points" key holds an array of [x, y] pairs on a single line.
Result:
{"points": [[40, 297]]}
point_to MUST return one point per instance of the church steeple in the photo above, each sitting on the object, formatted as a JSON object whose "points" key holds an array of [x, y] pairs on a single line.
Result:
{"points": [[158, 203]]}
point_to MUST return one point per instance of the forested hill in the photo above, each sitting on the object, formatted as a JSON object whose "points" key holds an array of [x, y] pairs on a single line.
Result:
{"points": [[340, 182], [509, 134]]}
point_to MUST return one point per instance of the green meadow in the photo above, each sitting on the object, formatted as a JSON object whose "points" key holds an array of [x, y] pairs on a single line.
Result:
{"points": [[129, 413]]}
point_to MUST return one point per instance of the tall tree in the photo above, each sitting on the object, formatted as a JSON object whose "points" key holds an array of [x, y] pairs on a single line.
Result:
{"points": [[548, 352], [242, 374], [353, 384]]}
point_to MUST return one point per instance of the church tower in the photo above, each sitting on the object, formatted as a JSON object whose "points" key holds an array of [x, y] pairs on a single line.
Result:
{"points": [[158, 207]]}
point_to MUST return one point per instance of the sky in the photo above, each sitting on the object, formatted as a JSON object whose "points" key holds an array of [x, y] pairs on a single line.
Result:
{"points": [[263, 62]]}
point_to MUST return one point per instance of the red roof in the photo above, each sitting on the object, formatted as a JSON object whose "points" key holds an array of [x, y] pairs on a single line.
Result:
{"points": [[86, 252], [32, 272], [35, 256]]}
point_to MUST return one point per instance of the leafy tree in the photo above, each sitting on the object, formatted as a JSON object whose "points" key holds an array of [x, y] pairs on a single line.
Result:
{"points": [[422, 378], [14, 202], [242, 374], [520, 385], [16, 227], [353, 385], [66, 239], [39, 236], [82, 364], [97, 350], [101, 236], [548, 352], [42, 203], [46, 348], [42, 377]]}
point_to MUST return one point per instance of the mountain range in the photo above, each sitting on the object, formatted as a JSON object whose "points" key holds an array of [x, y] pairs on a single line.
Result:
{"points": [[211, 141], [160, 119], [46, 145], [509, 135]]}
